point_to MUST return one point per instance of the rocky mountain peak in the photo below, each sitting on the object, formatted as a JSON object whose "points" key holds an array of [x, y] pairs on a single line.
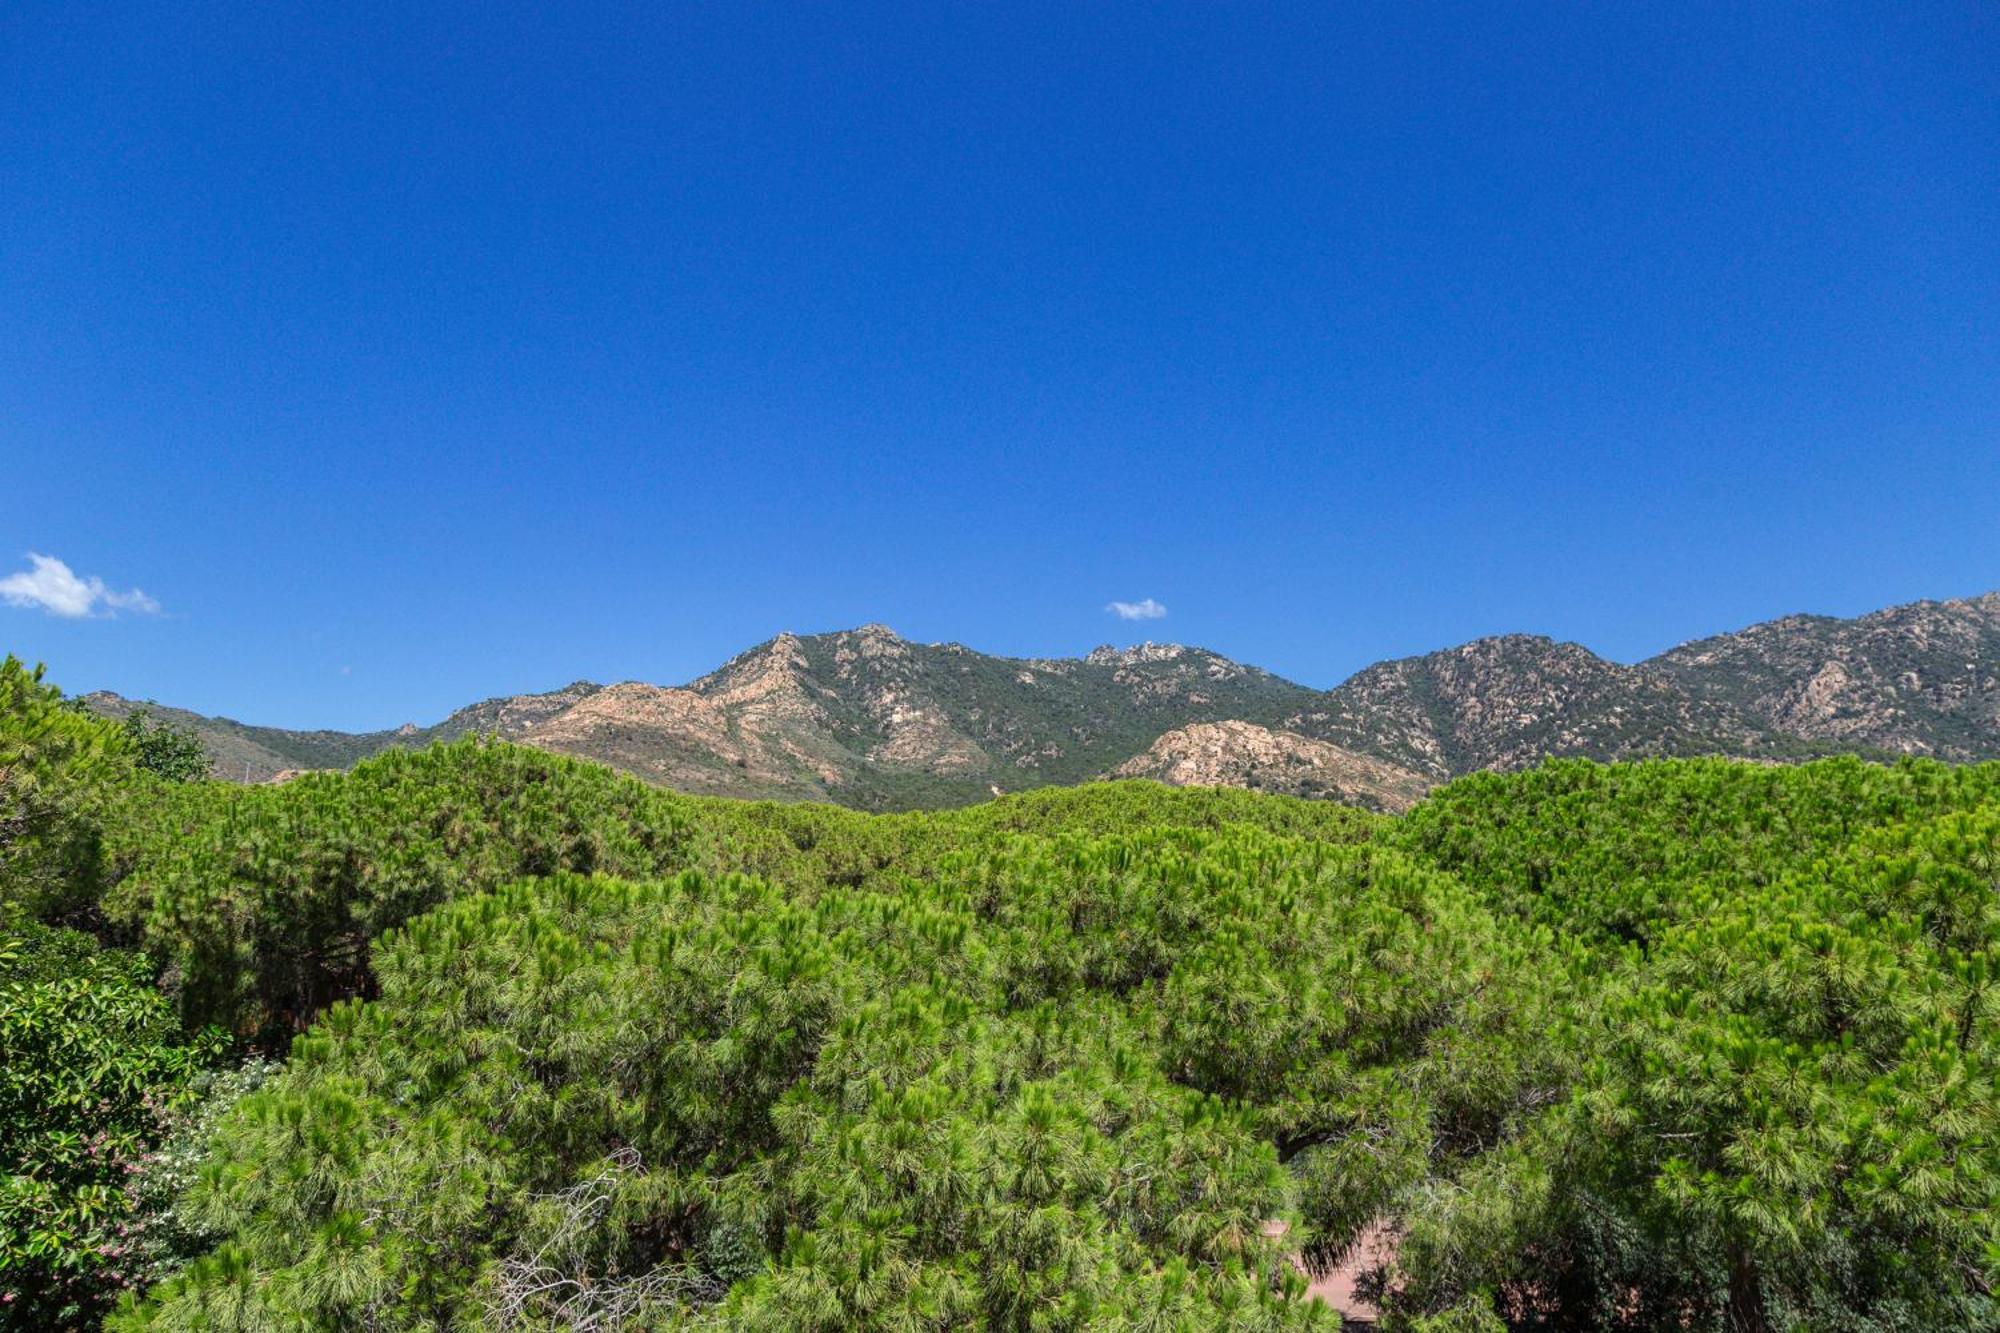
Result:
{"points": [[1517, 650], [762, 669], [1509, 700], [1922, 678], [1107, 655], [870, 641]]}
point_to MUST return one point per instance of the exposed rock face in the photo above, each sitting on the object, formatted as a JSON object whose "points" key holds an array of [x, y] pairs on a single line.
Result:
{"points": [[677, 738], [1243, 754], [511, 715], [870, 719], [1916, 679], [1511, 701]]}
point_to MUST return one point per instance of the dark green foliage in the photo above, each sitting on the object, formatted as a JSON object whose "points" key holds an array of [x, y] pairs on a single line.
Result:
{"points": [[90, 1054], [172, 752], [160, 1232]]}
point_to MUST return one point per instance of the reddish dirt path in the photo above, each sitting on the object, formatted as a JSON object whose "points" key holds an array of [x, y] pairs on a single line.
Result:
{"points": [[1374, 1247]]}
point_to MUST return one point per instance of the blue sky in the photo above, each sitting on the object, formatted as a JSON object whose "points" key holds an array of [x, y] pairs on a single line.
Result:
{"points": [[403, 359]]}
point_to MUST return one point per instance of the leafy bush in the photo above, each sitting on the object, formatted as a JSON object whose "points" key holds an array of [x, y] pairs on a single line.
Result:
{"points": [[171, 752], [90, 1054], [159, 1233]]}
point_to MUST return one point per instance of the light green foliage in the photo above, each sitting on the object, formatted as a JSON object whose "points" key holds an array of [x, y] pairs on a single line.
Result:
{"points": [[263, 900], [1800, 1088], [1472, 1315], [1785, 1115], [701, 1100], [58, 771], [1612, 849]]}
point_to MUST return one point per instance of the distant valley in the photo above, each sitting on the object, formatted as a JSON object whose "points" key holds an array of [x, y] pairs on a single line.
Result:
{"points": [[868, 719]]}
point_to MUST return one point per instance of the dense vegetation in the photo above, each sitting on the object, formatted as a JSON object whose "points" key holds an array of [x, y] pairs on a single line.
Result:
{"points": [[1683, 1044]]}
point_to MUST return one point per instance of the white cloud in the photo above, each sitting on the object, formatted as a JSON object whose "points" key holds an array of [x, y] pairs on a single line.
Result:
{"points": [[1146, 610], [57, 589]]}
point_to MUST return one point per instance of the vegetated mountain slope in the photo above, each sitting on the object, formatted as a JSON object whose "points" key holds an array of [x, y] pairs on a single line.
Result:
{"points": [[862, 717], [868, 719], [1511, 701], [1243, 754], [1015, 722], [243, 752], [1916, 679]]}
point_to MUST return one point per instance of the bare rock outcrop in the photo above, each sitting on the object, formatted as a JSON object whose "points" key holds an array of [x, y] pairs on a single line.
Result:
{"points": [[1243, 754]]}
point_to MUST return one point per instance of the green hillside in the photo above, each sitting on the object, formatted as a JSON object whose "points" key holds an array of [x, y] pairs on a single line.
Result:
{"points": [[477, 1036]]}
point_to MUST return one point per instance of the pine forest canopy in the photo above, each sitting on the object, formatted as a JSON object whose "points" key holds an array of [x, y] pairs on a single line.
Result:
{"points": [[476, 1036]]}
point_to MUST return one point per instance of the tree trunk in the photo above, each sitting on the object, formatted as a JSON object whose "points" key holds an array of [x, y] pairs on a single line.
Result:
{"points": [[1746, 1295]]}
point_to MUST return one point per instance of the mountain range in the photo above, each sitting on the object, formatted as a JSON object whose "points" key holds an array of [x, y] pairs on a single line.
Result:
{"points": [[866, 718]]}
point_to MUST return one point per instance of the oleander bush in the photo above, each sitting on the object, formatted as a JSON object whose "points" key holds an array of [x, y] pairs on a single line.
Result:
{"points": [[91, 1055]]}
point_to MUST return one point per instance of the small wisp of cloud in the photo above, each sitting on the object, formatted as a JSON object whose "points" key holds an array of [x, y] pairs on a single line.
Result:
{"points": [[52, 586], [1141, 610]]}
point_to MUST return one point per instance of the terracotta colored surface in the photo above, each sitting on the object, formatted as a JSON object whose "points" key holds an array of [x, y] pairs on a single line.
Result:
{"points": [[1375, 1247]]}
